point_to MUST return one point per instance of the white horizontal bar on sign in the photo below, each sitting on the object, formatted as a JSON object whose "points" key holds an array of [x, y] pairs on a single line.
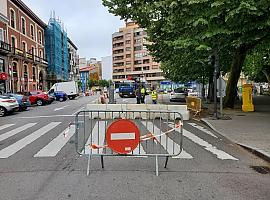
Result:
{"points": [[122, 136]]}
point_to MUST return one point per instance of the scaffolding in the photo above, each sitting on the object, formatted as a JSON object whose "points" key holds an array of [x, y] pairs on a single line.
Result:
{"points": [[56, 45]]}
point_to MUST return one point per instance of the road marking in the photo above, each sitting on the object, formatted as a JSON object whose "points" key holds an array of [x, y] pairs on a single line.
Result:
{"points": [[17, 146], [61, 108], [78, 111], [209, 147], [203, 129], [56, 144], [98, 137], [5, 126], [45, 116], [15, 131], [172, 147]]}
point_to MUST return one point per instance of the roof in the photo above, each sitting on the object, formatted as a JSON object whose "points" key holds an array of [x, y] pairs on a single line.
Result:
{"points": [[29, 12], [72, 44]]}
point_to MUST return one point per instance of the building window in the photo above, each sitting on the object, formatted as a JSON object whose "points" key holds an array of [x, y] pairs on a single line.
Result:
{"points": [[12, 19], [13, 42], [34, 73], [128, 41], [40, 54], [128, 48], [32, 32], [2, 65], [128, 55], [24, 46], [25, 72], [138, 48], [39, 37], [1, 34], [128, 63], [23, 26], [33, 50], [14, 70]]}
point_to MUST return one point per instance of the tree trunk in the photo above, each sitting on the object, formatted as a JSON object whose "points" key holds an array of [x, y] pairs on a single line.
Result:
{"points": [[236, 67], [210, 95]]}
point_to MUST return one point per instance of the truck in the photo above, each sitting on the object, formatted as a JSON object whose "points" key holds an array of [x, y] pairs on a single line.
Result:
{"points": [[127, 89], [70, 88]]}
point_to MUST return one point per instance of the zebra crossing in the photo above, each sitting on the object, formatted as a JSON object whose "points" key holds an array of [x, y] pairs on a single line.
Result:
{"points": [[54, 147]]}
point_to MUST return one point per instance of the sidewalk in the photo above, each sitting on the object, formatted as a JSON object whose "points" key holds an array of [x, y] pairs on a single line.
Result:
{"points": [[251, 130]]}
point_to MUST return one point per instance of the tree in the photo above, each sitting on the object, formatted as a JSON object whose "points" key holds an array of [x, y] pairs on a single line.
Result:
{"points": [[79, 84], [187, 31], [103, 83], [91, 83]]}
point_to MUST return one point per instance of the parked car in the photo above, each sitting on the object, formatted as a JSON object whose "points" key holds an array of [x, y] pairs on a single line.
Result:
{"points": [[51, 97], [60, 96], [178, 94], [38, 97], [70, 88], [22, 100], [7, 104]]}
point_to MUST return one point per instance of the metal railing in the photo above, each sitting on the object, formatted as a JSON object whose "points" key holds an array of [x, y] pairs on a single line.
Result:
{"points": [[160, 133]]}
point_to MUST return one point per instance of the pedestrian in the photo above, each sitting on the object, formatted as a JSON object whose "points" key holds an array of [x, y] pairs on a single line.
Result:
{"points": [[143, 93], [154, 96], [138, 94]]}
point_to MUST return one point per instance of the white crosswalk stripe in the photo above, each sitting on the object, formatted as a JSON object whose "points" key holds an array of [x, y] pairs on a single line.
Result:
{"points": [[15, 131], [56, 144], [5, 126], [202, 129], [53, 148], [209, 147], [165, 141], [98, 136], [17, 146]]}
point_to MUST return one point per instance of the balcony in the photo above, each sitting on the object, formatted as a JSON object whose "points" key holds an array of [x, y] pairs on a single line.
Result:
{"points": [[5, 47]]}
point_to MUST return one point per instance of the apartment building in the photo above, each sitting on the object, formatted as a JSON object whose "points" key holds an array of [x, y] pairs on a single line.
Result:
{"points": [[25, 34], [74, 74], [131, 58], [5, 49]]}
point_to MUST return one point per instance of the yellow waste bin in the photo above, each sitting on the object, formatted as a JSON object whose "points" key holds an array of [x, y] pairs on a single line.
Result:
{"points": [[247, 105]]}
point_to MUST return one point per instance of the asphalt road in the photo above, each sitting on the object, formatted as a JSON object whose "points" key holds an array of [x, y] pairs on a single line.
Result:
{"points": [[37, 162]]}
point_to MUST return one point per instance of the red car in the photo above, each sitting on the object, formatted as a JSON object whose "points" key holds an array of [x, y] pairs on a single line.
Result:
{"points": [[38, 97]]}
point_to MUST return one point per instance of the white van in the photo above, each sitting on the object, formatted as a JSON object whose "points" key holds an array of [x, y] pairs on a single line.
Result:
{"points": [[70, 88]]}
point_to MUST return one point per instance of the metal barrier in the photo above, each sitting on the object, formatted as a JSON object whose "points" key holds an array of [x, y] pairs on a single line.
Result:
{"points": [[157, 138], [194, 104]]}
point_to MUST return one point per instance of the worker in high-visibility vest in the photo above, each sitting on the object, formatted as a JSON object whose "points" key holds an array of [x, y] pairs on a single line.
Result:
{"points": [[154, 96], [143, 93]]}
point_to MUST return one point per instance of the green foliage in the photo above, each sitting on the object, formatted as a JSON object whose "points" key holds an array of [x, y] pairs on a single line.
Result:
{"points": [[91, 83], [184, 33], [103, 83]]}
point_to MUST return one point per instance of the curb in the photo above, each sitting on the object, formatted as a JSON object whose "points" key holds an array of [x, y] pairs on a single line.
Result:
{"points": [[258, 153]]}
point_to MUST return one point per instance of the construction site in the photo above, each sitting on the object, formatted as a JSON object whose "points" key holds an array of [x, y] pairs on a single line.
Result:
{"points": [[57, 51]]}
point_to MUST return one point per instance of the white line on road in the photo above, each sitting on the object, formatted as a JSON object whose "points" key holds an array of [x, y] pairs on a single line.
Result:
{"points": [[78, 111], [61, 108], [202, 129], [56, 144], [98, 136], [172, 147], [17, 146], [209, 147], [45, 116], [15, 131], [5, 126]]}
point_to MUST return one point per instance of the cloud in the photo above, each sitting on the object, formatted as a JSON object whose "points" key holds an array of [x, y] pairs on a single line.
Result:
{"points": [[89, 25]]}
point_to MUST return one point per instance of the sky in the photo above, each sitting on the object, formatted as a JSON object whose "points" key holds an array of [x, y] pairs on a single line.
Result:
{"points": [[89, 24]]}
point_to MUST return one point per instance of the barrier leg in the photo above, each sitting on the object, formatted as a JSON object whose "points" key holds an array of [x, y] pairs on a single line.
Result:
{"points": [[102, 162], [156, 165], [166, 162], [88, 164]]}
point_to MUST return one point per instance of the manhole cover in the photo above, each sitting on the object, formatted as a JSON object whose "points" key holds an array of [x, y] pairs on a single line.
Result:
{"points": [[261, 169]]}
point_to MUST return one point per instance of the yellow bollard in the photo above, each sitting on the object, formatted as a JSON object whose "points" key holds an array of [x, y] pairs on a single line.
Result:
{"points": [[247, 98]]}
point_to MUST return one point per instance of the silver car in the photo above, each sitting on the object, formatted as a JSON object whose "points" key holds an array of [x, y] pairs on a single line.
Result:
{"points": [[178, 94], [7, 104]]}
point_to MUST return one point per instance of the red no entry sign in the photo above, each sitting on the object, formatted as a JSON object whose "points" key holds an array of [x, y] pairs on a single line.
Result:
{"points": [[123, 136]]}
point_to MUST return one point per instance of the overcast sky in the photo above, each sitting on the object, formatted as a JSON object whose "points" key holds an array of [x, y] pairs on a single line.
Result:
{"points": [[89, 24]]}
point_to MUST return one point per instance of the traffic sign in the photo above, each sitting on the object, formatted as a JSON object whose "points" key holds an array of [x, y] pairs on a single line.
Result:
{"points": [[123, 136]]}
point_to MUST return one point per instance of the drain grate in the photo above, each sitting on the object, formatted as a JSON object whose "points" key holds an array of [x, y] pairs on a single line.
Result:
{"points": [[261, 169]]}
